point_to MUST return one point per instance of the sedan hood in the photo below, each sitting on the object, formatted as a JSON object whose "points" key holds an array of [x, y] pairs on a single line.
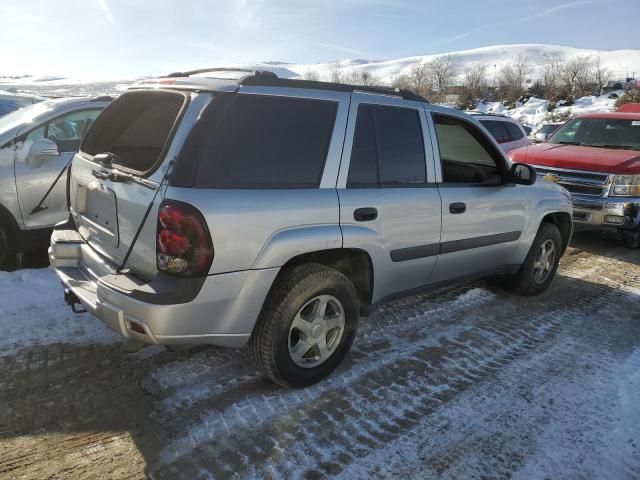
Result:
{"points": [[574, 157]]}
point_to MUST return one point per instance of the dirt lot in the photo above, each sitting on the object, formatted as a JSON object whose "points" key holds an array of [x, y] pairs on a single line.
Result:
{"points": [[461, 382]]}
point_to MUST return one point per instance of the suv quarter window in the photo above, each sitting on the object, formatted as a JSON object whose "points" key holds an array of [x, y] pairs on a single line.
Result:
{"points": [[264, 142], [466, 154], [388, 148]]}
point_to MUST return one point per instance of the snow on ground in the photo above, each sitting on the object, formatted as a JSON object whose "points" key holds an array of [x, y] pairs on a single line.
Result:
{"points": [[534, 111], [461, 382], [34, 313]]}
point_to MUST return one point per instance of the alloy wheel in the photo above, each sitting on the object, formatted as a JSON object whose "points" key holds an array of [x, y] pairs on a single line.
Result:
{"points": [[316, 331]]}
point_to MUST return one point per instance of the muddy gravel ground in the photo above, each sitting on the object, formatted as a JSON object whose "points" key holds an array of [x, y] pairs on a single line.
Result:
{"points": [[464, 382]]}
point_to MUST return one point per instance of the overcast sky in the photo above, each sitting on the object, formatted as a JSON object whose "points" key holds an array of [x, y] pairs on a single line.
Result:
{"points": [[124, 38]]}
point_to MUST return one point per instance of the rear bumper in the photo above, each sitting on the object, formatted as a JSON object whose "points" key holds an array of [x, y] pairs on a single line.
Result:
{"points": [[611, 212], [217, 309]]}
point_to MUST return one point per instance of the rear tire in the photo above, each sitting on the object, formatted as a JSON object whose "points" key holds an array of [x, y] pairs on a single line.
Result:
{"points": [[307, 298], [629, 238], [539, 268], [8, 259]]}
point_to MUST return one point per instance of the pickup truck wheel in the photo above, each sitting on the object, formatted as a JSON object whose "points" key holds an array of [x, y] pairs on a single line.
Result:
{"points": [[629, 238], [539, 268], [7, 248], [306, 326]]}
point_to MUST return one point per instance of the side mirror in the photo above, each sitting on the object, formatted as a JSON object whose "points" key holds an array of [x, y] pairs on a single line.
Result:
{"points": [[522, 174], [41, 151]]}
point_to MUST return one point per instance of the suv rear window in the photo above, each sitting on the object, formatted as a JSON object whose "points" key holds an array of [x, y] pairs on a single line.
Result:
{"points": [[260, 141], [135, 127]]}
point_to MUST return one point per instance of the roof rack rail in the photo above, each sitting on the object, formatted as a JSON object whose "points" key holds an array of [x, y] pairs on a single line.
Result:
{"points": [[251, 72], [490, 114], [274, 81], [102, 98]]}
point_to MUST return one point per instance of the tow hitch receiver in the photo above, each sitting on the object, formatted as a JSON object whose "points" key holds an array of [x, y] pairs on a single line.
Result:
{"points": [[72, 300]]}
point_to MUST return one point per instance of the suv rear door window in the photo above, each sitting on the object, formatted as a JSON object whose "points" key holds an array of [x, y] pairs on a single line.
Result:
{"points": [[266, 142], [514, 132], [388, 148]]}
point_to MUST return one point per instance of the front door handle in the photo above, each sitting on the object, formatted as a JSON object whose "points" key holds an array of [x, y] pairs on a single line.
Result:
{"points": [[365, 214], [458, 207]]}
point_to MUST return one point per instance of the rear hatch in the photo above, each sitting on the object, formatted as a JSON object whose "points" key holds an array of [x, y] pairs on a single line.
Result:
{"points": [[142, 131]]}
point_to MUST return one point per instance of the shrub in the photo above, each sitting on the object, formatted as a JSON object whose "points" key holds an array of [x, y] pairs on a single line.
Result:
{"points": [[631, 96]]}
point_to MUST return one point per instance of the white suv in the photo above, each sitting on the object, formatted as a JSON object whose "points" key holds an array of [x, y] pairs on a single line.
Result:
{"points": [[507, 131]]}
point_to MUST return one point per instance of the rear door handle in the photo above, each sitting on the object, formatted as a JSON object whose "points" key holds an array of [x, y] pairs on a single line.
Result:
{"points": [[458, 207], [365, 214]]}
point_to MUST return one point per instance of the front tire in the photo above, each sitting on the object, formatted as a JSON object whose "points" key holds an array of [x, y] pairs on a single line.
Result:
{"points": [[306, 327], [537, 271], [629, 238], [7, 248]]}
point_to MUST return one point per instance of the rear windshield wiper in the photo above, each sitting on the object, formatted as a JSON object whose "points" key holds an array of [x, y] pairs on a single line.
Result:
{"points": [[115, 175]]}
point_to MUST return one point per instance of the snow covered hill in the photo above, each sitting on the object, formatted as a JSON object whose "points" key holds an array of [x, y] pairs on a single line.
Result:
{"points": [[620, 62]]}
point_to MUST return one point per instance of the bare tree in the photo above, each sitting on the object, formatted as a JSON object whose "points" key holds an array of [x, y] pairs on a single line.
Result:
{"points": [[335, 75], [552, 79], [311, 75], [577, 76], [354, 77], [512, 77], [474, 86], [601, 74], [404, 82], [363, 77], [420, 78], [475, 78], [442, 71]]}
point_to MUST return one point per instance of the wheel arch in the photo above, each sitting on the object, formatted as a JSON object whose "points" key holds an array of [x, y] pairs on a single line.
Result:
{"points": [[563, 221], [353, 263], [7, 219]]}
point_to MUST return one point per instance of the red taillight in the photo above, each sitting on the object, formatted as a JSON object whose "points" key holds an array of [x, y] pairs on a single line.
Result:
{"points": [[183, 243]]}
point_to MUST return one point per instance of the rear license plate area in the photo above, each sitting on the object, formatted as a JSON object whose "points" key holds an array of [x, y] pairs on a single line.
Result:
{"points": [[100, 213]]}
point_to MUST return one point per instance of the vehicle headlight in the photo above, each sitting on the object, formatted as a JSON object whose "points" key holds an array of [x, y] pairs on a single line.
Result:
{"points": [[626, 185]]}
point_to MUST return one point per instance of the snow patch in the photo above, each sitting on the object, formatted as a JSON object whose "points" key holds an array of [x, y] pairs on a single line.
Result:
{"points": [[34, 313]]}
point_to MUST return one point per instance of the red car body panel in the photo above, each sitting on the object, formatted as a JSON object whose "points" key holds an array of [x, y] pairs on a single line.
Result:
{"points": [[630, 107], [574, 157]]}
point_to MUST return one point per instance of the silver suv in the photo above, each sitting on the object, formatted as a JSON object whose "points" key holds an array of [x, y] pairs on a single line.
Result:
{"points": [[36, 145], [273, 212]]}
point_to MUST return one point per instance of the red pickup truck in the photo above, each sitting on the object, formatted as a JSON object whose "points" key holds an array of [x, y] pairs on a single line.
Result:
{"points": [[596, 157]]}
